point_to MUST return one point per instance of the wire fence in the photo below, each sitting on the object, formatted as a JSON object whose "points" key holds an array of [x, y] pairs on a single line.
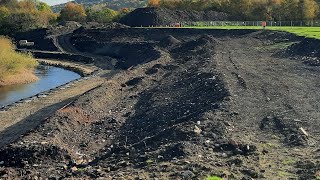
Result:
{"points": [[252, 23]]}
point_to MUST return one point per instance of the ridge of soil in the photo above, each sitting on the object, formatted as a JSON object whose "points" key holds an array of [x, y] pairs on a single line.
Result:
{"points": [[201, 103]]}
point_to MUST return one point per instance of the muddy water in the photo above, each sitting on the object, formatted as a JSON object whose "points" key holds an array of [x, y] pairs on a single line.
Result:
{"points": [[49, 77]]}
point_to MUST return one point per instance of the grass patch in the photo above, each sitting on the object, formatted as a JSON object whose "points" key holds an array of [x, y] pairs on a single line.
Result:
{"points": [[289, 161], [284, 174], [12, 62], [213, 178], [312, 32]]}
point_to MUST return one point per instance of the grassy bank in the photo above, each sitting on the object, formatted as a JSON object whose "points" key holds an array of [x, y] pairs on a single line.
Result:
{"points": [[312, 32], [15, 68]]}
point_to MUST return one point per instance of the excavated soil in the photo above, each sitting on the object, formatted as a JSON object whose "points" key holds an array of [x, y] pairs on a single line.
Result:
{"points": [[162, 17], [189, 104], [308, 49]]}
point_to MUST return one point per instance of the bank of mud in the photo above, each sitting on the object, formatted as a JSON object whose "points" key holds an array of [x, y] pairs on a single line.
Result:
{"points": [[200, 103]]}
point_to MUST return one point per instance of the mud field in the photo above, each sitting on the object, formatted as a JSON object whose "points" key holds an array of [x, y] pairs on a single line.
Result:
{"points": [[186, 104]]}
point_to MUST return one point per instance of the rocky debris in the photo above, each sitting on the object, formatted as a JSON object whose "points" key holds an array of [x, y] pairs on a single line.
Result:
{"points": [[162, 17], [197, 130], [235, 148]]}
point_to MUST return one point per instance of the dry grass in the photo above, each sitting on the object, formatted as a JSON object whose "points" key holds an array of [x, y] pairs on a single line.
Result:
{"points": [[21, 77], [15, 67]]}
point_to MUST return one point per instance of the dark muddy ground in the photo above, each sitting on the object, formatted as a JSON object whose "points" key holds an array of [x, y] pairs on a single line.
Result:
{"points": [[191, 103]]}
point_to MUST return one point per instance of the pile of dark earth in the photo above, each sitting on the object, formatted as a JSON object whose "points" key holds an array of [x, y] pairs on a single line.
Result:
{"points": [[189, 104], [162, 17], [308, 50], [45, 39]]}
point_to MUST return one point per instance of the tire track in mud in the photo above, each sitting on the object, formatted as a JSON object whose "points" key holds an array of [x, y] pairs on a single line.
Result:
{"points": [[282, 97]]}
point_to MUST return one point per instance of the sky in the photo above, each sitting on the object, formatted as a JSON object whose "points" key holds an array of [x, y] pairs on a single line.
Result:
{"points": [[54, 2]]}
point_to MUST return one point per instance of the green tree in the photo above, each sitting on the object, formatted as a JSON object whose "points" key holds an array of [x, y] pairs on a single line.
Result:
{"points": [[41, 6], [310, 10], [104, 15], [73, 12], [4, 13]]}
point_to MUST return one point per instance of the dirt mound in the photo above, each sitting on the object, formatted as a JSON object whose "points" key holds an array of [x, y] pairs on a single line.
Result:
{"points": [[276, 36], [63, 28], [308, 50], [41, 38], [45, 39], [162, 17], [169, 41], [31, 154], [127, 54]]}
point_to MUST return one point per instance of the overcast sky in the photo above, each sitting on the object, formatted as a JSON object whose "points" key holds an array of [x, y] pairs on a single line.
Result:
{"points": [[54, 2]]}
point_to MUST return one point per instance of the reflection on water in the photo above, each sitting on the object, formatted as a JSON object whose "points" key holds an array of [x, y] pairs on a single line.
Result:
{"points": [[49, 77]]}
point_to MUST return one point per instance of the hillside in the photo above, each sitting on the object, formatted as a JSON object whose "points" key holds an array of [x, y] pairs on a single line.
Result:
{"points": [[113, 4]]}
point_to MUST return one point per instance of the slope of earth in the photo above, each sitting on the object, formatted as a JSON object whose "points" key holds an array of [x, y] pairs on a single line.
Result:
{"points": [[210, 103], [162, 17]]}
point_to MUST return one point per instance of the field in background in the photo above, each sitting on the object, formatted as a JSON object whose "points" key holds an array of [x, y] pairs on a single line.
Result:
{"points": [[15, 67], [312, 32]]}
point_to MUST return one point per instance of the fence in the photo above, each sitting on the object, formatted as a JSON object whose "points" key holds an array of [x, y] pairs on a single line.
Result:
{"points": [[252, 23]]}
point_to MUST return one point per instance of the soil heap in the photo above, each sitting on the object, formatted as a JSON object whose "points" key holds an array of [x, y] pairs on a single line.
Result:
{"points": [[163, 17]]}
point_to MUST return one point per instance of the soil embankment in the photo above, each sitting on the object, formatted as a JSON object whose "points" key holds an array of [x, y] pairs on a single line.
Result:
{"points": [[203, 102]]}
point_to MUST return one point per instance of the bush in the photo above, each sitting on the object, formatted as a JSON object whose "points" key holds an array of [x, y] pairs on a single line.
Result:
{"points": [[104, 15], [12, 62], [73, 12], [18, 16]]}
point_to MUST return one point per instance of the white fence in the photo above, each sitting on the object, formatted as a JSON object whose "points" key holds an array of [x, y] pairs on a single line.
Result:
{"points": [[252, 23]]}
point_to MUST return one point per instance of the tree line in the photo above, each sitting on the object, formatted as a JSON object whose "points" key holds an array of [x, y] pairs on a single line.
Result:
{"points": [[23, 15], [276, 10], [96, 13]]}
